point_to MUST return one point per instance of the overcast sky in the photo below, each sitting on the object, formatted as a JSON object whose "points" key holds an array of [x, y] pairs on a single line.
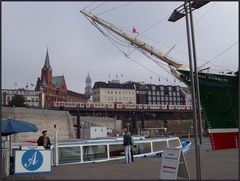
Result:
{"points": [[76, 47]]}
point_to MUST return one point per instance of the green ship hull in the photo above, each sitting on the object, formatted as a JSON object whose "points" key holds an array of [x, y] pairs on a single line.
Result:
{"points": [[219, 101]]}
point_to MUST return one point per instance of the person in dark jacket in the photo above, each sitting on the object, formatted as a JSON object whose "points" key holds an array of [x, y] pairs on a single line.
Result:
{"points": [[133, 146], [44, 140], [127, 142]]}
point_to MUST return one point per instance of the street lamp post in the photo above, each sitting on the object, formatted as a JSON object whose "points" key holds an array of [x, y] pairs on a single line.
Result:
{"points": [[178, 13], [197, 152]]}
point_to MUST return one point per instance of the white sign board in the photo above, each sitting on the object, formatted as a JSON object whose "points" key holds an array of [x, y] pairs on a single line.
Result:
{"points": [[173, 164], [32, 161], [169, 165]]}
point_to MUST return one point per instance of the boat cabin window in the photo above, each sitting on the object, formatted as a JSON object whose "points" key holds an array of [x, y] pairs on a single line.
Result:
{"points": [[159, 145], [142, 148], [116, 150], [95, 152], [69, 154], [173, 143]]}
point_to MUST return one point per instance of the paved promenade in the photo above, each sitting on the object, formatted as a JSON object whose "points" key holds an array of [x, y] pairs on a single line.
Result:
{"points": [[222, 164]]}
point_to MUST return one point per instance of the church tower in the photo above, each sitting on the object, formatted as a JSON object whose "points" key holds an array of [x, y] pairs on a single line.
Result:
{"points": [[88, 88], [46, 76], [47, 81]]}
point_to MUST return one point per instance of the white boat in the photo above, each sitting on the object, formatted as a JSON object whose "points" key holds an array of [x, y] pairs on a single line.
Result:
{"points": [[106, 149]]}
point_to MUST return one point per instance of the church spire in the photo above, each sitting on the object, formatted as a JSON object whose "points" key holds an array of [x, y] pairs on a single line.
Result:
{"points": [[88, 79], [47, 62], [88, 88]]}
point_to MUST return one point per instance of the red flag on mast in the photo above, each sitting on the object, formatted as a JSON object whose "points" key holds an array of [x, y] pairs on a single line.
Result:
{"points": [[134, 30]]}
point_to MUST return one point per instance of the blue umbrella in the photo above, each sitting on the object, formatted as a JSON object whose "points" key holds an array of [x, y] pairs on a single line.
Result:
{"points": [[12, 126]]}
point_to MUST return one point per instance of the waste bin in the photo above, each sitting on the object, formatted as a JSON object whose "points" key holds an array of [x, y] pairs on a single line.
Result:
{"points": [[5, 163]]}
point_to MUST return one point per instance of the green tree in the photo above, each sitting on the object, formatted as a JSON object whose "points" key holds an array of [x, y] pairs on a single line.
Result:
{"points": [[17, 101]]}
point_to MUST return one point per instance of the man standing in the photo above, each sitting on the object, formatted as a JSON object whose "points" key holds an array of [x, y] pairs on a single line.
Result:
{"points": [[44, 140], [127, 142]]}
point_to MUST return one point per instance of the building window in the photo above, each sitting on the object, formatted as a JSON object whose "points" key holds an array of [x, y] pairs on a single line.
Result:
{"points": [[153, 88], [158, 93], [170, 98], [169, 88], [162, 93], [154, 93], [161, 88], [149, 92]]}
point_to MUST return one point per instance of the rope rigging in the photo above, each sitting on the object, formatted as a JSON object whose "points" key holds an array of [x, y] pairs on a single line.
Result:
{"points": [[225, 50], [87, 6], [97, 6], [114, 9], [180, 39], [157, 62], [114, 42]]}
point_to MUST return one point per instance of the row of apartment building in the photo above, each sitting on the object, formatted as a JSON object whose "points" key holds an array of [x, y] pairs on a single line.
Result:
{"points": [[140, 93], [37, 99], [111, 92]]}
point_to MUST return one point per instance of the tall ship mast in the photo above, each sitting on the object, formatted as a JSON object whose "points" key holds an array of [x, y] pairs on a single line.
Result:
{"points": [[218, 92]]}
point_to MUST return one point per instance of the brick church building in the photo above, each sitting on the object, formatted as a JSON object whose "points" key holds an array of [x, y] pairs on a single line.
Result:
{"points": [[55, 87]]}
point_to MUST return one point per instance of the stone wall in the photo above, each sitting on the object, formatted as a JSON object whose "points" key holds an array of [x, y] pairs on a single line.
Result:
{"points": [[44, 120]]}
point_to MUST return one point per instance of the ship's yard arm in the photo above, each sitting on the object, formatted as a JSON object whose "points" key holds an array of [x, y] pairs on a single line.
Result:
{"points": [[135, 41]]}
